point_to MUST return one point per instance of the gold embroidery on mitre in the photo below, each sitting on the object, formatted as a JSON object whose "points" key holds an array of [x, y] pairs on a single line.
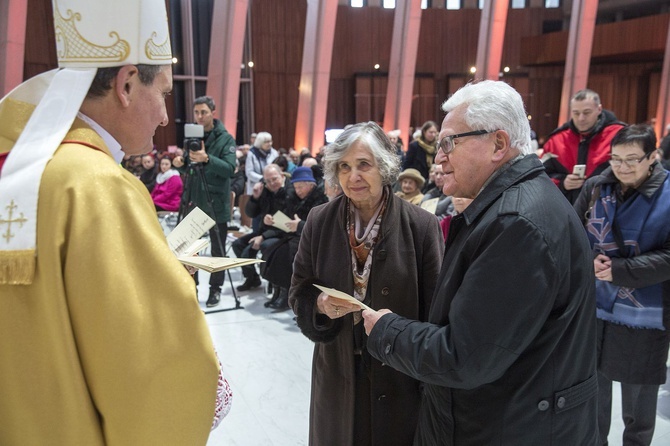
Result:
{"points": [[73, 47], [155, 51], [11, 219]]}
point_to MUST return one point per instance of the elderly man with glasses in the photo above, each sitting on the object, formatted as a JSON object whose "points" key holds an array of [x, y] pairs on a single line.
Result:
{"points": [[507, 356]]}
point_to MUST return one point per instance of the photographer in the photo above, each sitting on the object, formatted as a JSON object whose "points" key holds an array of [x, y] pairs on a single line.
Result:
{"points": [[216, 158]]}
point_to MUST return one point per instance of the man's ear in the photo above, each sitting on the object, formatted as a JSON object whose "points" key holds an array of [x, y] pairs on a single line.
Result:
{"points": [[501, 144], [124, 84]]}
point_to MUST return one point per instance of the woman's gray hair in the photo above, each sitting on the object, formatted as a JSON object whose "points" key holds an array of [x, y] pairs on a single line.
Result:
{"points": [[261, 139], [494, 105], [370, 136]]}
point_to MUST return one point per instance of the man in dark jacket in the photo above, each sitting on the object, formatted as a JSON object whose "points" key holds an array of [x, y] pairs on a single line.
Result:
{"points": [[584, 140], [507, 356], [268, 197], [306, 194], [212, 167]]}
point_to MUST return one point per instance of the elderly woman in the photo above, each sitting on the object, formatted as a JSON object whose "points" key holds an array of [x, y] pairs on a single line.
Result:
{"points": [[386, 253], [421, 151], [260, 155], [626, 210], [411, 183]]}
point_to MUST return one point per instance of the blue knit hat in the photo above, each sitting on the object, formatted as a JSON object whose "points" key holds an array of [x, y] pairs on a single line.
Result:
{"points": [[302, 174]]}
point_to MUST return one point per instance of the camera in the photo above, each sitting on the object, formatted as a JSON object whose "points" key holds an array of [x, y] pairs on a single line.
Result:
{"points": [[193, 135]]}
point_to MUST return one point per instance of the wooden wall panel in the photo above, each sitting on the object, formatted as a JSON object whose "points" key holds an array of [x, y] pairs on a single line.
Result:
{"points": [[40, 55], [626, 65], [629, 40], [652, 95], [277, 34]]}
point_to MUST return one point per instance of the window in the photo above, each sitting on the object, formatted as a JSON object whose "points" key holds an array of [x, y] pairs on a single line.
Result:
{"points": [[453, 4], [481, 4], [357, 3], [389, 4], [552, 3], [518, 4], [424, 4]]}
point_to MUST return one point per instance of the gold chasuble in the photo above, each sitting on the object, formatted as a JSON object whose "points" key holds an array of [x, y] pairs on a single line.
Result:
{"points": [[107, 345]]}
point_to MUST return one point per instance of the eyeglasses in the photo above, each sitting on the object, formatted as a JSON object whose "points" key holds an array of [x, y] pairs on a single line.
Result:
{"points": [[630, 162], [446, 144]]}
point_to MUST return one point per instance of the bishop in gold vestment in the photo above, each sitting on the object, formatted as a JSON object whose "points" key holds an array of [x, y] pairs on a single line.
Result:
{"points": [[107, 345]]}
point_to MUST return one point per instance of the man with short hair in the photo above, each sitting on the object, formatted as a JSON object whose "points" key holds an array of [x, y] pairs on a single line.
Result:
{"points": [[584, 140], [268, 197], [209, 171], [507, 356], [102, 340]]}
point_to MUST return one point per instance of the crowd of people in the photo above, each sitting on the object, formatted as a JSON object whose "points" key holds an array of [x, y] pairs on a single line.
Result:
{"points": [[596, 297]]}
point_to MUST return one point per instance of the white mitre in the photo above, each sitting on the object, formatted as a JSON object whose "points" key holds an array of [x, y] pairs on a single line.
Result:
{"points": [[90, 34]]}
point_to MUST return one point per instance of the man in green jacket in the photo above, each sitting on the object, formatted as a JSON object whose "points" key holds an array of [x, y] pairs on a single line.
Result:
{"points": [[217, 161]]}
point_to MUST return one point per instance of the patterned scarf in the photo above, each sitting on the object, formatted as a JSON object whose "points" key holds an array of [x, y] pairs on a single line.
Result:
{"points": [[363, 246], [640, 223], [429, 148]]}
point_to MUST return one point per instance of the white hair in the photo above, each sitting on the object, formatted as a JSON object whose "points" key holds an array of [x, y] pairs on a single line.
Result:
{"points": [[494, 105]]}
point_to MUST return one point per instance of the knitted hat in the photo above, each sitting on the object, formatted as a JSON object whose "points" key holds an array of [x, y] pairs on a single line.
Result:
{"points": [[414, 175], [302, 174]]}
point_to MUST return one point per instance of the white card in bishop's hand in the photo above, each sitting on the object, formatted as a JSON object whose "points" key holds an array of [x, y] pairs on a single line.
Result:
{"points": [[188, 231], [344, 296]]}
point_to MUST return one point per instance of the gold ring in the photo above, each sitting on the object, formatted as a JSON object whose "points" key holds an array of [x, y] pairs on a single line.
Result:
{"points": [[337, 311]]}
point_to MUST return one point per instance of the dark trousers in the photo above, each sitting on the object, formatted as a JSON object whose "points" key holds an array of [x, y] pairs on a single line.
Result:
{"points": [[244, 250], [218, 250], [638, 407]]}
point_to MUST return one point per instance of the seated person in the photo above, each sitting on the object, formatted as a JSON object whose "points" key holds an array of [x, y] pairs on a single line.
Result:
{"points": [[149, 171], [278, 266], [411, 182], [268, 196], [444, 204], [166, 194]]}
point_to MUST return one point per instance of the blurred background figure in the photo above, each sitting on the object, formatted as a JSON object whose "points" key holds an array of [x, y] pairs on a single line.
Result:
{"points": [[421, 151], [411, 183], [166, 194]]}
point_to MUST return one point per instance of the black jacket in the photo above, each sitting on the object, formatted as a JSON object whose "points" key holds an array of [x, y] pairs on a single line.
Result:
{"points": [[278, 266], [508, 354], [269, 203]]}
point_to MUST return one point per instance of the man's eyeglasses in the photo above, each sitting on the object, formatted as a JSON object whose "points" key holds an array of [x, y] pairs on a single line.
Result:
{"points": [[630, 162], [446, 144]]}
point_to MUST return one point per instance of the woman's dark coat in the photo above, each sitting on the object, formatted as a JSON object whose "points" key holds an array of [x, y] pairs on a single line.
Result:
{"points": [[405, 265]]}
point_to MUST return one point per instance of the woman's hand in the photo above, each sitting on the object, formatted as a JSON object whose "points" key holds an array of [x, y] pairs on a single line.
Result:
{"points": [[603, 267], [268, 220], [333, 307]]}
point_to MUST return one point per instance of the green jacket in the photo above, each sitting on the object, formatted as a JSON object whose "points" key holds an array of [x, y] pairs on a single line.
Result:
{"points": [[220, 146]]}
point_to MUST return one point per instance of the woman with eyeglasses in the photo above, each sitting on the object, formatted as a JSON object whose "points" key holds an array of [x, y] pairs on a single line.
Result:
{"points": [[626, 211]]}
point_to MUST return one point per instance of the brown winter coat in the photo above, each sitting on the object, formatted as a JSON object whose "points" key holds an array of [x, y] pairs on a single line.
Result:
{"points": [[406, 263]]}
